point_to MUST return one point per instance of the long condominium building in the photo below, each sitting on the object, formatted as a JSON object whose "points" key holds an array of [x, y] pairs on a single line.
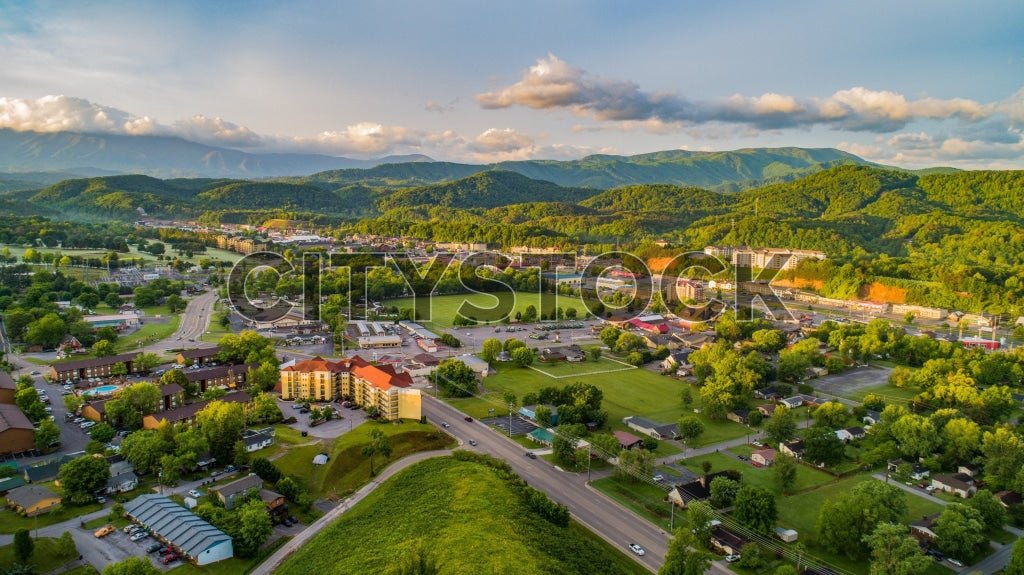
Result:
{"points": [[366, 384], [763, 258]]}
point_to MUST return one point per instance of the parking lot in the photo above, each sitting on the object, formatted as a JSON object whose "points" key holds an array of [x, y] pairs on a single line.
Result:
{"points": [[852, 380], [520, 426], [350, 419], [118, 546]]}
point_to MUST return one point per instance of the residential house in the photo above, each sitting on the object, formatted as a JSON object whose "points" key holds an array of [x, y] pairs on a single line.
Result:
{"points": [[695, 340], [548, 355], [969, 469], [871, 417], [199, 356], [274, 501], [32, 500], [9, 483], [957, 483], [923, 529], [648, 427], [738, 415], [17, 434], [850, 433], [8, 387], [70, 345], [41, 472], [694, 489], [530, 412], [675, 359], [122, 482], [767, 410], [628, 440], [727, 542], [256, 440], [770, 393], [918, 473], [763, 457], [573, 354], [654, 341], [793, 402], [95, 410], [794, 448], [227, 494], [1007, 498]]}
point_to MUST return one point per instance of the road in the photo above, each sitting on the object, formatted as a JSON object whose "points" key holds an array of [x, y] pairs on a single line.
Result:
{"points": [[194, 322]]}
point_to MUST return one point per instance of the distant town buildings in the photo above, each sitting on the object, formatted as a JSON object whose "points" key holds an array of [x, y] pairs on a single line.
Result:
{"points": [[763, 258]]}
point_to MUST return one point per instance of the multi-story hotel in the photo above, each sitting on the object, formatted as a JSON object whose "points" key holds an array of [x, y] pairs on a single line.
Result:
{"points": [[366, 384]]}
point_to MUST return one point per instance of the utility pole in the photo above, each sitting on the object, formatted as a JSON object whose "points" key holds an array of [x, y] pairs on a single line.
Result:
{"points": [[510, 419]]}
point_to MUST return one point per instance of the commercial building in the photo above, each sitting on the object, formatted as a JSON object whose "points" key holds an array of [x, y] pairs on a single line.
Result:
{"points": [[180, 529], [366, 384], [16, 431], [199, 356], [228, 376], [92, 367], [187, 413], [7, 388]]}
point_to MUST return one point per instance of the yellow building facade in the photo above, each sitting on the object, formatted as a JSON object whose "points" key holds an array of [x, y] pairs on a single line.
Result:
{"points": [[366, 384]]}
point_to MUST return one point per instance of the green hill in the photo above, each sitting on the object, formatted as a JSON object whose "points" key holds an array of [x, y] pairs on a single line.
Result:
{"points": [[466, 516], [484, 190]]}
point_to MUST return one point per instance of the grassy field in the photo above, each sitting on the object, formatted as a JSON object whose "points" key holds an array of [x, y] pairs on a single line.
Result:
{"points": [[11, 521], [890, 393], [347, 468], [633, 392], [759, 476], [466, 518], [43, 559], [211, 254], [644, 499], [491, 308]]}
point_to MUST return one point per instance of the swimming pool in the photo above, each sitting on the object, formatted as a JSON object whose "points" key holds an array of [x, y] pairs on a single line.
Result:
{"points": [[102, 390]]}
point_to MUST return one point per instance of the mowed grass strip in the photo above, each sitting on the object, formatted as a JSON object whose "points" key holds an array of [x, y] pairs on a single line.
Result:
{"points": [[348, 469], [44, 557], [487, 307], [466, 517]]}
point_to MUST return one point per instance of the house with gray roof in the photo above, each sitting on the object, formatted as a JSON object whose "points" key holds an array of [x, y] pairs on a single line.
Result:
{"points": [[237, 488], [651, 428]]}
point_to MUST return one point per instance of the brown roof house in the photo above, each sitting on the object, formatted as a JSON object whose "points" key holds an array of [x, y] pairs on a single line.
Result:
{"points": [[959, 483], [628, 440], [763, 457], [32, 500], [7, 388], [237, 488]]}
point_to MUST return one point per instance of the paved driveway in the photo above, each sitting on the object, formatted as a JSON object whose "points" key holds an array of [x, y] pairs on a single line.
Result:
{"points": [[350, 419]]}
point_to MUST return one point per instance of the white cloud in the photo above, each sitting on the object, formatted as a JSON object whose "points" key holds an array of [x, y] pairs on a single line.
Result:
{"points": [[553, 84], [861, 150], [216, 131], [61, 113], [502, 140]]}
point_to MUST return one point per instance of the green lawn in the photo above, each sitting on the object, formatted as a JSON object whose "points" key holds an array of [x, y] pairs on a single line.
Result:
{"points": [[634, 392], [44, 558], [464, 516], [890, 393], [643, 499], [443, 308], [348, 468], [150, 332], [806, 477]]}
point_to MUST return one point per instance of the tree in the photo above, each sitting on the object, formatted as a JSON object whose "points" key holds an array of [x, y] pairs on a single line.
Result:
{"points": [[454, 378], [831, 414], [289, 488], [264, 409], [723, 491], [686, 397], [246, 347], [782, 425], [594, 353], [176, 303], [529, 314], [132, 566], [717, 396], [119, 369], [522, 356], [915, 435], [264, 377], [822, 446], [842, 524], [82, 477], [222, 424], [768, 340], [132, 403], [650, 443], [47, 331], [993, 514], [254, 527], [512, 343], [609, 336], [178, 376], [116, 512], [102, 432], [23, 545], [961, 439], [960, 531], [72, 403], [144, 362], [755, 508], [685, 556], [266, 470], [895, 552], [635, 464], [145, 449], [1016, 565], [490, 349], [103, 348], [66, 545], [690, 428], [47, 434], [379, 443], [542, 414], [1004, 455], [784, 469]]}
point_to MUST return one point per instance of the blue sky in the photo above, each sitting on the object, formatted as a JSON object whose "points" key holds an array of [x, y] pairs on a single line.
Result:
{"points": [[906, 83]]}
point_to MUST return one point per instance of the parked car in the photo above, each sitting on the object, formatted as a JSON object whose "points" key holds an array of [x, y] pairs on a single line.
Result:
{"points": [[636, 549], [230, 468], [955, 562], [139, 536], [154, 547], [472, 442], [286, 522], [101, 499], [930, 488], [195, 493], [104, 531], [170, 557], [293, 519], [659, 478], [131, 528], [732, 558]]}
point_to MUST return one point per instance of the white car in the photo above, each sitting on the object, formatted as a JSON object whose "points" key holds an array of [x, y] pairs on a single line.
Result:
{"points": [[955, 562], [87, 424], [636, 549], [659, 478], [732, 558], [139, 536], [195, 493]]}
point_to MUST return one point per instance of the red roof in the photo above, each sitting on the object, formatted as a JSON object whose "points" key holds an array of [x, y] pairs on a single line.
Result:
{"points": [[316, 364], [626, 439], [379, 376]]}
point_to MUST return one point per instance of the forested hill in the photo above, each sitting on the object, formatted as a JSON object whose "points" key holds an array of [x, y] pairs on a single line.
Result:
{"points": [[720, 171], [489, 189]]}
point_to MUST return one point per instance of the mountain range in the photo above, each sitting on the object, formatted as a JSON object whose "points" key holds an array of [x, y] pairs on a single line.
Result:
{"points": [[46, 158]]}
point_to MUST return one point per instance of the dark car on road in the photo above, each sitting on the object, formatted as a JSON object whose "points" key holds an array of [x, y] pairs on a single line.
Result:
{"points": [[469, 419], [531, 455]]}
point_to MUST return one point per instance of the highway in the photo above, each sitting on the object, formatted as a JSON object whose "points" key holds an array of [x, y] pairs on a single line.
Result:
{"points": [[194, 322]]}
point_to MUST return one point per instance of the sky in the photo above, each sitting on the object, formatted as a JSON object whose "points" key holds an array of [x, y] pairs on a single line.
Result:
{"points": [[912, 83]]}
